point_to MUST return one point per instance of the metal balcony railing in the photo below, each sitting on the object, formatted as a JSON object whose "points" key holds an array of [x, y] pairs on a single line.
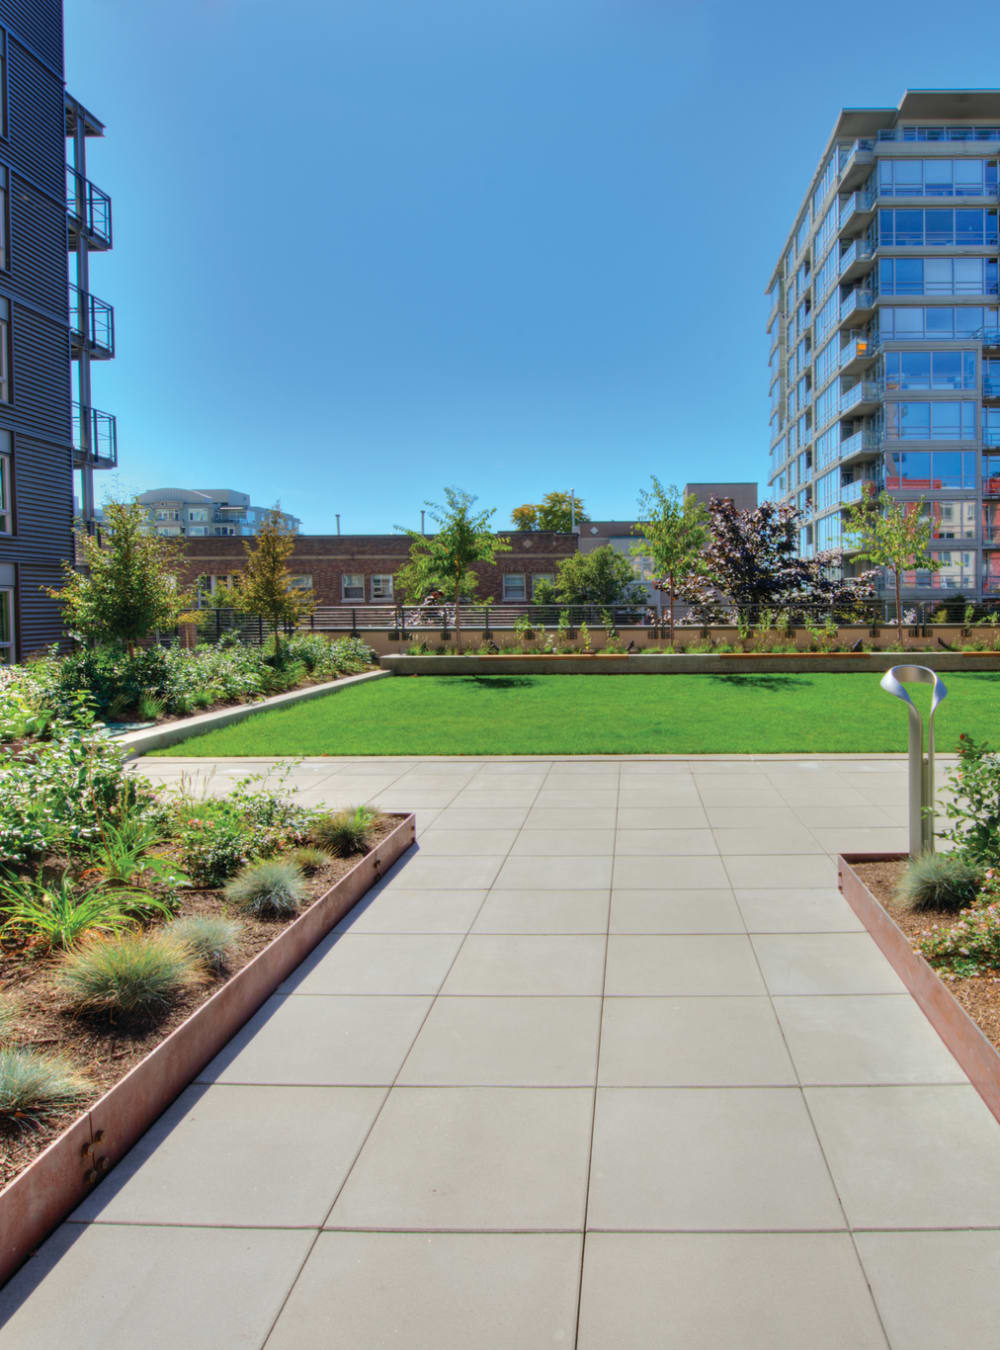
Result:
{"points": [[89, 209], [95, 437], [92, 321], [991, 438]]}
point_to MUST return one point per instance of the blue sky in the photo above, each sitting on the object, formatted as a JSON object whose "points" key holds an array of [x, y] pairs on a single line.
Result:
{"points": [[364, 250]]}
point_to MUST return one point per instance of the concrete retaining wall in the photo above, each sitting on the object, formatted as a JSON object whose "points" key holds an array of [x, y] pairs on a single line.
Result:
{"points": [[747, 663]]}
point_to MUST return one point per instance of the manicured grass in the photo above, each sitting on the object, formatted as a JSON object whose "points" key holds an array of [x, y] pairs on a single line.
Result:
{"points": [[607, 714]]}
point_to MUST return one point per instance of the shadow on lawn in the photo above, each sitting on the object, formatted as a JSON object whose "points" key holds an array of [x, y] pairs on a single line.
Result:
{"points": [[769, 683], [498, 681]]}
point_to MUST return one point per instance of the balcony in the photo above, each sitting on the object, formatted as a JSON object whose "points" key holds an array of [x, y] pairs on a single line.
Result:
{"points": [[95, 438], [991, 536], [991, 386], [862, 397], [857, 165], [89, 211], [91, 324], [857, 259], [991, 438], [857, 308], [989, 337], [859, 353], [854, 491], [862, 445], [856, 212]]}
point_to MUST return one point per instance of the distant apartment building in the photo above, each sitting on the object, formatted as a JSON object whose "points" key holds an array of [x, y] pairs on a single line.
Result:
{"points": [[52, 327], [345, 569], [742, 495], [885, 332], [207, 512]]}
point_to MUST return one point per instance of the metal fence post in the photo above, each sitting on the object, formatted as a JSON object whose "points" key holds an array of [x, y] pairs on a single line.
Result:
{"points": [[921, 775]]}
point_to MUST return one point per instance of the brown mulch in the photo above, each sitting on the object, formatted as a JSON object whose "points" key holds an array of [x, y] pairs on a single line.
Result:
{"points": [[106, 1051], [979, 995]]}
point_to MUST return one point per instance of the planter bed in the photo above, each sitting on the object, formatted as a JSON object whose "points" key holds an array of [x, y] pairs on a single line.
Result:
{"points": [[138, 1072], [687, 663], [965, 1012]]}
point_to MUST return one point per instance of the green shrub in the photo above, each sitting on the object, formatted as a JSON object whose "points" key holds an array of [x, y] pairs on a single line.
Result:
{"points": [[270, 889], [309, 860], [970, 947], [941, 881], [210, 939], [150, 707], [344, 833], [54, 914], [34, 1086], [213, 851], [132, 975], [975, 804]]}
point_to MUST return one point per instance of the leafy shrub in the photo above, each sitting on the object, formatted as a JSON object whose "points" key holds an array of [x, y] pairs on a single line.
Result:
{"points": [[344, 832], [55, 915], [211, 940], [970, 947], [132, 975], [975, 807], [939, 881], [308, 860], [270, 889], [34, 1086], [57, 792], [212, 850]]}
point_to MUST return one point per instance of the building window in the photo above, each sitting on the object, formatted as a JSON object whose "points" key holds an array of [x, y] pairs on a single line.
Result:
{"points": [[920, 471], [6, 514], [930, 421], [382, 587], [513, 586], [198, 514], [930, 370], [3, 82], [548, 578], [197, 529], [300, 583], [6, 625], [352, 586], [956, 572]]}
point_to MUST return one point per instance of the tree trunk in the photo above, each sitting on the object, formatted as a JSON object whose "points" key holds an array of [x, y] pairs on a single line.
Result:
{"points": [[899, 609], [671, 580], [458, 617]]}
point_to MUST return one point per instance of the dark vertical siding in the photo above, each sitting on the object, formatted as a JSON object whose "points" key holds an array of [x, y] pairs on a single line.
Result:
{"points": [[38, 417], [39, 24]]}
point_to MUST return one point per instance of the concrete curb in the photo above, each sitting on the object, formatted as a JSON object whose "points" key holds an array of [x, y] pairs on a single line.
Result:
{"points": [[155, 738], [60, 1178], [685, 663]]}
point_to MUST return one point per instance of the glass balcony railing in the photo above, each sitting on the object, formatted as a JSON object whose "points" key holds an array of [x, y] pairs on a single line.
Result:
{"points": [[991, 386], [965, 133], [92, 321], [991, 438], [865, 391], [859, 299], [862, 442], [89, 209], [858, 349], [859, 251], [991, 536], [95, 437], [857, 204], [853, 492]]}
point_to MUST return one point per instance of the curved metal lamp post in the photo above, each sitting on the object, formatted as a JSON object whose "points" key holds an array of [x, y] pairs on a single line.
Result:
{"points": [[921, 766]]}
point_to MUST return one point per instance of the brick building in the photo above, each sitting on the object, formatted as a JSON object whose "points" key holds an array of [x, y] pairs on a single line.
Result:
{"points": [[358, 569]]}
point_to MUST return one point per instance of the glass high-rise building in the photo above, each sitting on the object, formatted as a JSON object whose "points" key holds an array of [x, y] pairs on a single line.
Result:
{"points": [[885, 333]]}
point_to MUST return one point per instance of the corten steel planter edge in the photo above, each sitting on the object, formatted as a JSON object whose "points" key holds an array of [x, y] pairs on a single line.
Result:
{"points": [[65, 1173], [974, 1053], [685, 663]]}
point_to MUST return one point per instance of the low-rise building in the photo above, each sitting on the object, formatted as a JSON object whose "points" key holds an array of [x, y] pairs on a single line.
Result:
{"points": [[359, 569], [200, 513]]}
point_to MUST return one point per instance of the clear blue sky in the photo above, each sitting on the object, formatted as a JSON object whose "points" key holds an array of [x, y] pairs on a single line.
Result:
{"points": [[367, 249]]}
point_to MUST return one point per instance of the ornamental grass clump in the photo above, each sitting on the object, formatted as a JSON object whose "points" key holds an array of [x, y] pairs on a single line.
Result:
{"points": [[33, 1086], [941, 881], [55, 914], [210, 939], [344, 833], [135, 975], [310, 860], [272, 889]]}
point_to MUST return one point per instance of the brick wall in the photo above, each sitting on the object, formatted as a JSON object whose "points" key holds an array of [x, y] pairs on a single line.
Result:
{"points": [[327, 558]]}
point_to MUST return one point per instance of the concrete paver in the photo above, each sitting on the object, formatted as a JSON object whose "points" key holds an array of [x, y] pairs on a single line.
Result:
{"points": [[608, 1062]]}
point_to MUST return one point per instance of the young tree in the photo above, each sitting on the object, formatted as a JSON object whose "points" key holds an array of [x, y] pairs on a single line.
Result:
{"points": [[603, 577], [890, 534], [675, 531], [752, 564], [444, 561], [265, 585], [129, 587], [557, 511]]}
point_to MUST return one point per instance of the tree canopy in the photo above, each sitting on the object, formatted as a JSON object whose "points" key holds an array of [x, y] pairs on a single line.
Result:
{"points": [[891, 534], [554, 512], [129, 587], [265, 584], [675, 531], [603, 577]]}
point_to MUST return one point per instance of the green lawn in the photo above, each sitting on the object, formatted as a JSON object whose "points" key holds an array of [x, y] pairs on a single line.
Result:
{"points": [[606, 714]]}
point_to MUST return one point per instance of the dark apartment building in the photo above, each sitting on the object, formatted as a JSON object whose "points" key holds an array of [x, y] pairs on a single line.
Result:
{"points": [[51, 325]]}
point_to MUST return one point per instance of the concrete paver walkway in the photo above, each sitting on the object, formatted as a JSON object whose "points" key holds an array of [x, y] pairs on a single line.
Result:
{"points": [[607, 1062]]}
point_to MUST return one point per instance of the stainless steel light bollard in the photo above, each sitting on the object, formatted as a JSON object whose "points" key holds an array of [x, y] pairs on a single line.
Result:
{"points": [[921, 765]]}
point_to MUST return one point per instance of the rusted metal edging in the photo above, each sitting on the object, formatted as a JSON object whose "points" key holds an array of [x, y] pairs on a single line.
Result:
{"points": [[974, 1053], [59, 1179]]}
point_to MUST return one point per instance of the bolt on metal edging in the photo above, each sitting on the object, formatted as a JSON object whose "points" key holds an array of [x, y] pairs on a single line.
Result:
{"points": [[921, 774]]}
